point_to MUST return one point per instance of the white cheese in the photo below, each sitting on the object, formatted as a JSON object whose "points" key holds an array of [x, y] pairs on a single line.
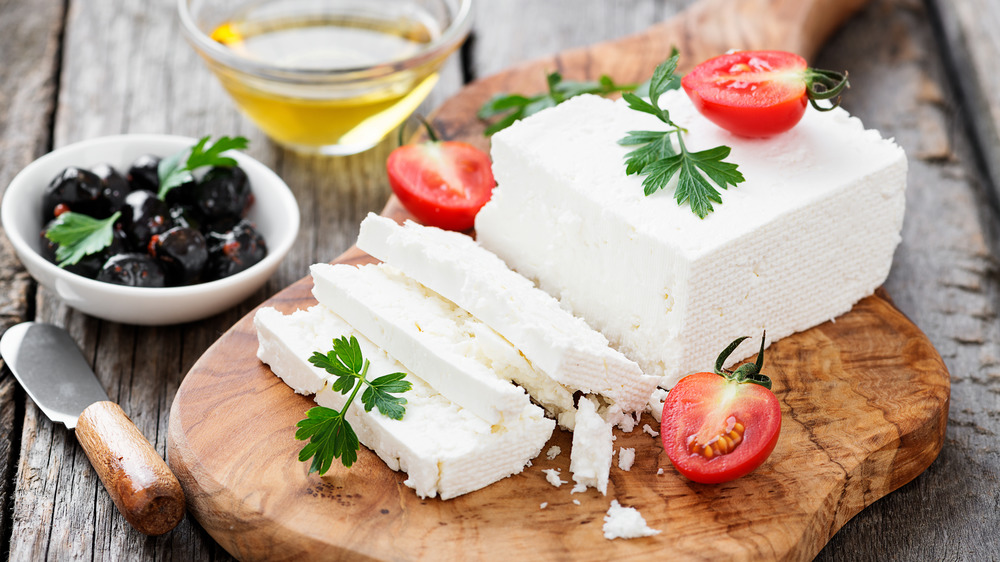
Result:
{"points": [[810, 232], [625, 523], [656, 400], [652, 432], [552, 476], [553, 452], [446, 450], [559, 344], [458, 355], [626, 457], [590, 459]]}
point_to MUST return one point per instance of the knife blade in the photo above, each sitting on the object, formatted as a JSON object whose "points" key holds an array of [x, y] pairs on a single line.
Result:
{"points": [[49, 365]]}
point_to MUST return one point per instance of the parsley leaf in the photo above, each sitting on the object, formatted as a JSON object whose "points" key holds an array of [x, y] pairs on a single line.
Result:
{"points": [[328, 431], [512, 107], [699, 174], [176, 170], [79, 235]]}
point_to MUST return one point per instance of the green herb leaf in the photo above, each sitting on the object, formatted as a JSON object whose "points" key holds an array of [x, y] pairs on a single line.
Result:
{"points": [[700, 175], [79, 235], [330, 435], [177, 169], [512, 107], [378, 394]]}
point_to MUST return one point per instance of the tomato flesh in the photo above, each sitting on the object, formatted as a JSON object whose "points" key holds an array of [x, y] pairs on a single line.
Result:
{"points": [[739, 422], [750, 93], [442, 184]]}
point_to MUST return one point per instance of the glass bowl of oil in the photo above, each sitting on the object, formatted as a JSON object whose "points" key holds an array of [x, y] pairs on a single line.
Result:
{"points": [[326, 76]]}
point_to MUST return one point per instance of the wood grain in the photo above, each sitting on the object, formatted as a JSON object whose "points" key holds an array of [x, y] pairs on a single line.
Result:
{"points": [[138, 480]]}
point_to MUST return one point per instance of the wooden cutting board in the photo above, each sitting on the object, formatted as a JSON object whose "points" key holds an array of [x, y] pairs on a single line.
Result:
{"points": [[864, 403]]}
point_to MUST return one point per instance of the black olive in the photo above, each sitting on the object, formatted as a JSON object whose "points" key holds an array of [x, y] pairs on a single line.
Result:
{"points": [[224, 192], [185, 216], [114, 186], [234, 251], [132, 269], [89, 265], [182, 252], [144, 215], [144, 174], [77, 190]]}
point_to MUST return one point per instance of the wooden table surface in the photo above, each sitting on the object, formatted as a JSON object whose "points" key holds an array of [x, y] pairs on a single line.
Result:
{"points": [[922, 72]]}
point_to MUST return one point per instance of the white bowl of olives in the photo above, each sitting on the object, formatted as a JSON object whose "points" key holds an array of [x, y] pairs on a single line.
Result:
{"points": [[150, 229]]}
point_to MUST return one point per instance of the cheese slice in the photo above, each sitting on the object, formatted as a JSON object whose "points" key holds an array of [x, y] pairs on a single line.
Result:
{"points": [[445, 449], [557, 343], [593, 446], [810, 232], [458, 355]]}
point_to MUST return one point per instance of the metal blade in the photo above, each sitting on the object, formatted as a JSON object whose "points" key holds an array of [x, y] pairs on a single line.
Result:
{"points": [[50, 367]]}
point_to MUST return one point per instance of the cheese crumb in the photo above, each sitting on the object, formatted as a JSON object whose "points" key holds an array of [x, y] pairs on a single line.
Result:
{"points": [[577, 502], [552, 475], [625, 523], [649, 430], [553, 452], [655, 405], [659, 472], [626, 456], [544, 505]]}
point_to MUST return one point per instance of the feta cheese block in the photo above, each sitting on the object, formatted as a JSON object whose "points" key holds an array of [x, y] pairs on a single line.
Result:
{"points": [[446, 450], [559, 344], [593, 446], [810, 232], [464, 359]]}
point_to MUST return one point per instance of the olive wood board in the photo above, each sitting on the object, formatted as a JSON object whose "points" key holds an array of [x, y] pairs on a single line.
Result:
{"points": [[864, 403]]}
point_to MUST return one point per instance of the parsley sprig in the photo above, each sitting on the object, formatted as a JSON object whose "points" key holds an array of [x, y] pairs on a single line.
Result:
{"points": [[176, 170], [78, 235], [328, 431], [513, 107], [656, 158]]}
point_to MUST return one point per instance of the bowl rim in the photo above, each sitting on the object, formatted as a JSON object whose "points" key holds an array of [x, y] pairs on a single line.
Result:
{"points": [[449, 39], [26, 252]]}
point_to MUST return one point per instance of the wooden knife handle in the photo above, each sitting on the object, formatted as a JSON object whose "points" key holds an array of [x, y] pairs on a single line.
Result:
{"points": [[143, 488]]}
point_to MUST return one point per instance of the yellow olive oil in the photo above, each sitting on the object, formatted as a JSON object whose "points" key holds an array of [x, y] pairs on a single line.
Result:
{"points": [[311, 111]]}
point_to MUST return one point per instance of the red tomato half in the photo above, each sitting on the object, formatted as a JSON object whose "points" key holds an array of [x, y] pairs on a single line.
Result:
{"points": [[750, 93], [738, 422], [443, 184]]}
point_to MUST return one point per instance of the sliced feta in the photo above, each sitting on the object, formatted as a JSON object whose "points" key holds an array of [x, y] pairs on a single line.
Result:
{"points": [[625, 523], [559, 344], [461, 357], [810, 232], [446, 450], [590, 459]]}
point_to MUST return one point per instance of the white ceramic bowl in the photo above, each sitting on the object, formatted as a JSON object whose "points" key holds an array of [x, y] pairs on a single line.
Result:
{"points": [[274, 212]]}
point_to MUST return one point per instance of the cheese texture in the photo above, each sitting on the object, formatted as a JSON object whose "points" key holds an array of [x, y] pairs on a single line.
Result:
{"points": [[593, 446], [625, 523], [810, 232], [446, 450], [461, 357], [557, 343]]}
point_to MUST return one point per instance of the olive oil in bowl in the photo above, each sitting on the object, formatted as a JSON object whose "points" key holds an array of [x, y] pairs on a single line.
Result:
{"points": [[331, 78]]}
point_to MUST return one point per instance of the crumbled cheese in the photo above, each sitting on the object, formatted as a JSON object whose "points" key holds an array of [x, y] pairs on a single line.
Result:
{"points": [[659, 472], [543, 505], [655, 406], [553, 452], [577, 502], [626, 456], [590, 459], [625, 523], [552, 475], [649, 430]]}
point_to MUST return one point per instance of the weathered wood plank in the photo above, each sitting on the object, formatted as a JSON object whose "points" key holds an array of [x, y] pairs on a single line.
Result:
{"points": [[29, 41], [944, 278], [970, 45]]}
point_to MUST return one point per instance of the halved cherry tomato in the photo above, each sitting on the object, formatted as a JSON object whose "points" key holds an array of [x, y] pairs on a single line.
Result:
{"points": [[443, 183], [759, 93], [719, 426]]}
